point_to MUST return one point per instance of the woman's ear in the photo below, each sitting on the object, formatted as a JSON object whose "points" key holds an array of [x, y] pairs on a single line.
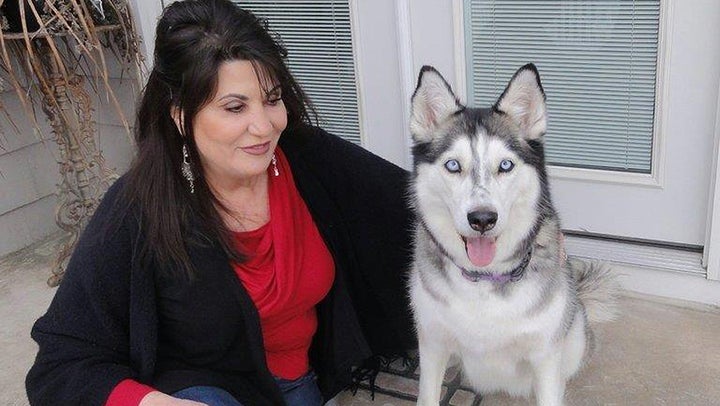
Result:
{"points": [[177, 116]]}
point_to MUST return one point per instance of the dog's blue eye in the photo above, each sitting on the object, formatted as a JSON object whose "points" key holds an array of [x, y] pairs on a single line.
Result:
{"points": [[506, 165], [452, 166]]}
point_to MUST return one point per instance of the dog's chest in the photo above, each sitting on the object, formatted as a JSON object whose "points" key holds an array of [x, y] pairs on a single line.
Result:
{"points": [[482, 319]]}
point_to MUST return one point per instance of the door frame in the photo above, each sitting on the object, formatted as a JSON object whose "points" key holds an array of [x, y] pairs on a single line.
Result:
{"points": [[711, 258], [147, 13]]}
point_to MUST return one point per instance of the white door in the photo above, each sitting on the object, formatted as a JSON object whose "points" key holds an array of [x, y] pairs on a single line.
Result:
{"points": [[668, 209], [671, 204], [668, 205]]}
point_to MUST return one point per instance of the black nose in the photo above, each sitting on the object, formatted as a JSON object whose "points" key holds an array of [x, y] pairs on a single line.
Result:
{"points": [[482, 220]]}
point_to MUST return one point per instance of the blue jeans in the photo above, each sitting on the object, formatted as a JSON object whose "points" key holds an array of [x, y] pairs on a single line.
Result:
{"points": [[299, 392], [210, 395], [303, 391]]}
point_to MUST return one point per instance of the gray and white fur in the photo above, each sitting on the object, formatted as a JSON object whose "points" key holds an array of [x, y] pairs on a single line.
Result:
{"points": [[490, 285]]}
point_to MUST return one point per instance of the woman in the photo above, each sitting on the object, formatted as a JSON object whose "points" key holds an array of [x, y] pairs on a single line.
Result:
{"points": [[245, 258]]}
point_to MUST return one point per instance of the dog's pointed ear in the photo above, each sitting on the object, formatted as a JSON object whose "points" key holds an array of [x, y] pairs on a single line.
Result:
{"points": [[432, 103], [524, 102]]}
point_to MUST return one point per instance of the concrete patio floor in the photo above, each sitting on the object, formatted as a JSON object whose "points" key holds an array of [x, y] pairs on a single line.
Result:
{"points": [[657, 353]]}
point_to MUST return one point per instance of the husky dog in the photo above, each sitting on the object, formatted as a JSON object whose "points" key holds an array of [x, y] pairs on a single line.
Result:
{"points": [[490, 285]]}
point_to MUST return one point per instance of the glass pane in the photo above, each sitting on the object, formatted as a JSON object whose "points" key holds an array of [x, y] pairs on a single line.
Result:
{"points": [[318, 37], [597, 61]]}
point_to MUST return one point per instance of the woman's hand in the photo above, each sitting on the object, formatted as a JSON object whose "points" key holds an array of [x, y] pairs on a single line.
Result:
{"points": [[160, 399]]}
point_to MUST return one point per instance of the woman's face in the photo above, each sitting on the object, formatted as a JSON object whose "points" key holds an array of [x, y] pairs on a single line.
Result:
{"points": [[237, 131]]}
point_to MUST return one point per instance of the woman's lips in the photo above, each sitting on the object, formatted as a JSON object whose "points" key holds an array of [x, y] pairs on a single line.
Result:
{"points": [[258, 149]]}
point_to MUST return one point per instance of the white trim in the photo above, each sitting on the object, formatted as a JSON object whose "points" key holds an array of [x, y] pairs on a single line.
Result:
{"points": [[458, 11], [665, 272], [672, 285], [662, 86], [407, 70], [656, 178], [659, 271], [146, 14], [712, 243], [605, 176], [357, 56], [634, 254]]}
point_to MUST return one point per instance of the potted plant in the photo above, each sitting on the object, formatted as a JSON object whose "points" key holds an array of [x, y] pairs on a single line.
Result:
{"points": [[48, 50]]}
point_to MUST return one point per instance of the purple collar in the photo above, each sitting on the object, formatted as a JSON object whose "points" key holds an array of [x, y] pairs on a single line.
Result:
{"points": [[515, 275]]}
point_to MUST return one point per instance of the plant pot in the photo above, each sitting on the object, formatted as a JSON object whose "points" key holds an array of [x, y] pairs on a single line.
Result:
{"points": [[11, 10]]}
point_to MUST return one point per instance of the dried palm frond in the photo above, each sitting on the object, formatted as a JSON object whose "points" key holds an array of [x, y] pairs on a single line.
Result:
{"points": [[47, 67], [68, 42]]}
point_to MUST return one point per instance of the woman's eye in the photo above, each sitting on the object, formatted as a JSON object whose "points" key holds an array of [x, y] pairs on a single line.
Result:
{"points": [[274, 96], [453, 166], [506, 165], [236, 109]]}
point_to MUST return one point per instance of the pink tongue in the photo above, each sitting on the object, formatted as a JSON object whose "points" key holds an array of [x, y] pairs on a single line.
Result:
{"points": [[481, 250]]}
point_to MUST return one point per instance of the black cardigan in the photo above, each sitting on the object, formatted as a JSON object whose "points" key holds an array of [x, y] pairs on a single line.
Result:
{"points": [[113, 318]]}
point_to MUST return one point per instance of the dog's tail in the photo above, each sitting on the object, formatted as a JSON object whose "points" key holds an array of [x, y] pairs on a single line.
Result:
{"points": [[598, 289]]}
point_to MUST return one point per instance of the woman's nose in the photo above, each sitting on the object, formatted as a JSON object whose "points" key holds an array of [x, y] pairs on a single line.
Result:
{"points": [[260, 123]]}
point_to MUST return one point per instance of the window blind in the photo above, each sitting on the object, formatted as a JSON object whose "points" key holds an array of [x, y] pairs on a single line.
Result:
{"points": [[318, 38], [597, 60]]}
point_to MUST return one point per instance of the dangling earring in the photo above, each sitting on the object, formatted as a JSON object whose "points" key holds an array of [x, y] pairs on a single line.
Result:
{"points": [[186, 170], [276, 172]]}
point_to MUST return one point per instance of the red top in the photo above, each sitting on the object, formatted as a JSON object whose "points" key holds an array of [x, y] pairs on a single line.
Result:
{"points": [[128, 393], [289, 270]]}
